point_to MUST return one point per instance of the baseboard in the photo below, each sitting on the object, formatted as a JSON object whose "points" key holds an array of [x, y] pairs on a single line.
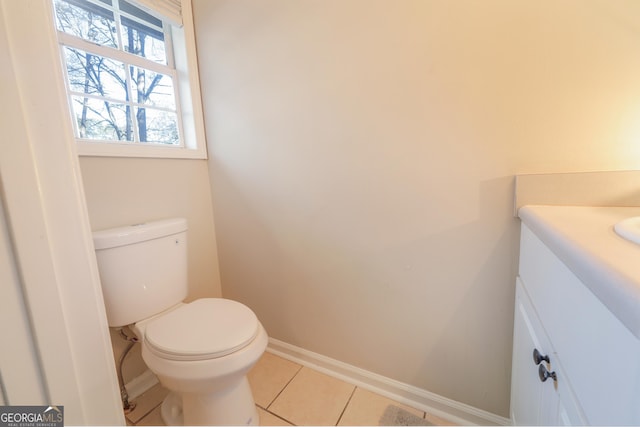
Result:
{"points": [[432, 403], [140, 384]]}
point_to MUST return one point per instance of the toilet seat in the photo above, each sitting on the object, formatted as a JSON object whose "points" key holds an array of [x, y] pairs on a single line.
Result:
{"points": [[207, 328]]}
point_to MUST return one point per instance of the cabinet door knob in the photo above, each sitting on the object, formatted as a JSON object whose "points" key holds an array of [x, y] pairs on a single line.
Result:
{"points": [[538, 358], [545, 374]]}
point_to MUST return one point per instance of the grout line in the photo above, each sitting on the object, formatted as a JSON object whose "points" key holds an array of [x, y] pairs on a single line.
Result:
{"points": [[147, 414], [345, 406], [281, 390], [275, 415], [282, 418]]}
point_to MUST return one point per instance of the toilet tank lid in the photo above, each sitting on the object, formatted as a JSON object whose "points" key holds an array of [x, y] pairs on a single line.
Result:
{"points": [[135, 233]]}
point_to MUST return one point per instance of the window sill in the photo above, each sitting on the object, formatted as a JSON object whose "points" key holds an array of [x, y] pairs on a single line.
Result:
{"points": [[138, 150]]}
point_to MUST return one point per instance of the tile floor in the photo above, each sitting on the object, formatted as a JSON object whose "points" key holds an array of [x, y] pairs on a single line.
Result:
{"points": [[287, 393]]}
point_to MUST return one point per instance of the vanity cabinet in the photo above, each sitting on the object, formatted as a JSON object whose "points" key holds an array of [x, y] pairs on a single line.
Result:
{"points": [[589, 361]]}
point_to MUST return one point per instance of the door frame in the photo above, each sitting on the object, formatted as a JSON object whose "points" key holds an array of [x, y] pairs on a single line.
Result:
{"points": [[48, 227]]}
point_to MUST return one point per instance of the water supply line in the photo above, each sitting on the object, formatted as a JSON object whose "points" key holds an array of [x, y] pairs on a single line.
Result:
{"points": [[126, 405]]}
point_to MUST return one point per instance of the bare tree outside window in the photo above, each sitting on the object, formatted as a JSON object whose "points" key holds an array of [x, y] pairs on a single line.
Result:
{"points": [[118, 90]]}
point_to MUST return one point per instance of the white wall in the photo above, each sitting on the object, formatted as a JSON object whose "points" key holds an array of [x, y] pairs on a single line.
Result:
{"points": [[362, 156]]}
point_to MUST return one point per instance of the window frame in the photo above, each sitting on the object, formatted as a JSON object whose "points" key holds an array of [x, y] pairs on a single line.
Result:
{"points": [[181, 67]]}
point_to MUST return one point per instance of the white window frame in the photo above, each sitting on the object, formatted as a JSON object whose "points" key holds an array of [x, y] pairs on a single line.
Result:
{"points": [[182, 52]]}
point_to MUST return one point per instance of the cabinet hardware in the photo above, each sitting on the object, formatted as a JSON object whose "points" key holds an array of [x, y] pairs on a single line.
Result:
{"points": [[538, 358], [545, 374]]}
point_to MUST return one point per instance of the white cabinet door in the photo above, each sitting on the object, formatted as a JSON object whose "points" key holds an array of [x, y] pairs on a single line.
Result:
{"points": [[569, 411], [533, 402]]}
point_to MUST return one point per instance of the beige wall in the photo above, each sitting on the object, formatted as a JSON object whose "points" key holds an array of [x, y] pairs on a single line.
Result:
{"points": [[362, 156], [122, 191]]}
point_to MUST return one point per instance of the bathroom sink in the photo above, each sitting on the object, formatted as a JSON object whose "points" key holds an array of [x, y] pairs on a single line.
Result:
{"points": [[629, 229]]}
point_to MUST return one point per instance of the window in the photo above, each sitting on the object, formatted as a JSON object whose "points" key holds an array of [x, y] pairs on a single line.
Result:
{"points": [[122, 77]]}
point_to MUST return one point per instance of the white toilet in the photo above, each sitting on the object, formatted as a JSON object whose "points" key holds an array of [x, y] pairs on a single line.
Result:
{"points": [[202, 350]]}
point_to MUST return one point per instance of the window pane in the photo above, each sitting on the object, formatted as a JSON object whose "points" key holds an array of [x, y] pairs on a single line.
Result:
{"points": [[143, 41], [152, 88], [87, 20], [102, 120], [96, 75], [157, 126], [142, 33]]}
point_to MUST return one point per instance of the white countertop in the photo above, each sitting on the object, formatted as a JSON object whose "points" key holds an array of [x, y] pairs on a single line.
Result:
{"points": [[584, 239]]}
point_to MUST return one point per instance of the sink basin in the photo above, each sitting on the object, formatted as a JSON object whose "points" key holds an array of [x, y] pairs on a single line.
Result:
{"points": [[629, 229]]}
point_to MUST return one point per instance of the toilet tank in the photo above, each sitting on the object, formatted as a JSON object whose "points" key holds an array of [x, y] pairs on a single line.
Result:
{"points": [[143, 268]]}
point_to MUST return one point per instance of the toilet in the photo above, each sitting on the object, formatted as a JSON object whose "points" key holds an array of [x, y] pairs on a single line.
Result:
{"points": [[201, 351]]}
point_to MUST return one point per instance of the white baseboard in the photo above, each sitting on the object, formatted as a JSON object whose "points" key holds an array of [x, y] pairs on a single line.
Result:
{"points": [[140, 384], [427, 401]]}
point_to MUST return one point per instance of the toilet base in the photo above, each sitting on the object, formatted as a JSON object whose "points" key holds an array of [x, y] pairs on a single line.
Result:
{"points": [[231, 406], [171, 410]]}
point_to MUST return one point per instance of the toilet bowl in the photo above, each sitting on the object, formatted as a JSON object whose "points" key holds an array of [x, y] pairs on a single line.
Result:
{"points": [[201, 351], [195, 354]]}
